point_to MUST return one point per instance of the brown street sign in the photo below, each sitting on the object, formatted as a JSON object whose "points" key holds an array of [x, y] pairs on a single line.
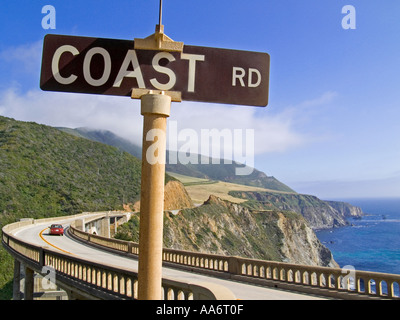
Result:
{"points": [[114, 67]]}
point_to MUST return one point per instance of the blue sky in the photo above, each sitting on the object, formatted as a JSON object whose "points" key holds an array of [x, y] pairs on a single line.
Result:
{"points": [[332, 124]]}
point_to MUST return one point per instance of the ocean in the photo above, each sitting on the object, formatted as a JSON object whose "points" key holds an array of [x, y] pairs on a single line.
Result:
{"points": [[371, 243]]}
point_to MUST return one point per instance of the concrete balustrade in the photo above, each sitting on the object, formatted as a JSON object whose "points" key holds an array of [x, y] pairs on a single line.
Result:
{"points": [[110, 282], [198, 260], [101, 281], [332, 282], [362, 283]]}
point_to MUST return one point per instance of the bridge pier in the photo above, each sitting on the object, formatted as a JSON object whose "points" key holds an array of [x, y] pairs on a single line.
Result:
{"points": [[23, 277], [29, 283], [17, 280], [105, 227]]}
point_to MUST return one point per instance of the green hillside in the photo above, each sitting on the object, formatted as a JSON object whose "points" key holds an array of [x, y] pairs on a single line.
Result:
{"points": [[221, 171], [106, 137], [46, 172]]}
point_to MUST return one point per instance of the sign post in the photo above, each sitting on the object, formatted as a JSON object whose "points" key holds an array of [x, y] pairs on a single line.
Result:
{"points": [[155, 109]]}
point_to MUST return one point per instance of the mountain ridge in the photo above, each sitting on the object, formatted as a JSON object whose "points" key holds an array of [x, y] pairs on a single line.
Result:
{"points": [[222, 171]]}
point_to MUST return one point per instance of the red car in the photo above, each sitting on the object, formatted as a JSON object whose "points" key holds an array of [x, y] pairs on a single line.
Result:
{"points": [[57, 229]]}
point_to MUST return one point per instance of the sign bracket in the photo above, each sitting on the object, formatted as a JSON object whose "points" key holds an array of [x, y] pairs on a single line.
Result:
{"points": [[176, 96], [158, 40]]}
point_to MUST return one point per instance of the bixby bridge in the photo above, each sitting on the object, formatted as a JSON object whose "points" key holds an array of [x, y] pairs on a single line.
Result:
{"points": [[89, 264]]}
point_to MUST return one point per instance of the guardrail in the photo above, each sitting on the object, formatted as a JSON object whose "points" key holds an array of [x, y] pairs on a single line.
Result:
{"points": [[99, 281], [332, 282]]}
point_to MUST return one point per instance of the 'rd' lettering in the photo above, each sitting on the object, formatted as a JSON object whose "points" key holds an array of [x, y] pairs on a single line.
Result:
{"points": [[253, 77]]}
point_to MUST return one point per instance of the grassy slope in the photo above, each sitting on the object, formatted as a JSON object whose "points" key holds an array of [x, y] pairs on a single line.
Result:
{"points": [[200, 189]]}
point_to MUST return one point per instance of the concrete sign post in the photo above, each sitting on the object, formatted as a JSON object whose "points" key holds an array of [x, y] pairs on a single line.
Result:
{"points": [[155, 109]]}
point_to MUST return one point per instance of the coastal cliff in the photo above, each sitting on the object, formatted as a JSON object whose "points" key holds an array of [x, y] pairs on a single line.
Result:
{"points": [[346, 209], [175, 197], [318, 213], [223, 227]]}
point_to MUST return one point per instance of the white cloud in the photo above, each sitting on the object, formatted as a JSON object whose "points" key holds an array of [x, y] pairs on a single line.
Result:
{"points": [[307, 110], [121, 115], [325, 98], [273, 133], [117, 114]]}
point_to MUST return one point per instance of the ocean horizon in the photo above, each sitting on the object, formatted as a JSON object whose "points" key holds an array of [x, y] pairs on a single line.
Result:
{"points": [[371, 243]]}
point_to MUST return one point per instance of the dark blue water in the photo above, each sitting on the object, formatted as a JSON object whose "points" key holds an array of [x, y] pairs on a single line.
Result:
{"points": [[372, 243]]}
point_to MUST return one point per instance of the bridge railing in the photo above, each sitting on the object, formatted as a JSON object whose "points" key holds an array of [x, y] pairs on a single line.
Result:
{"points": [[99, 280], [333, 282]]}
